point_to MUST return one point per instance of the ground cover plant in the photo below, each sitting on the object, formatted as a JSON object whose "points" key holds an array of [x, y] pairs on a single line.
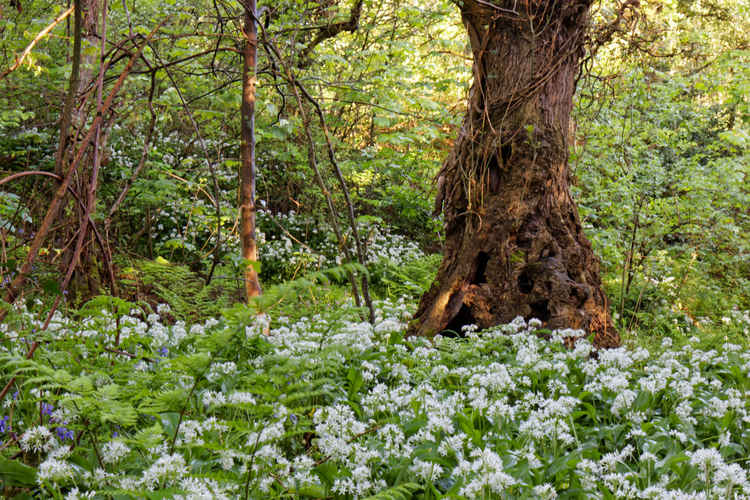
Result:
{"points": [[329, 406]]}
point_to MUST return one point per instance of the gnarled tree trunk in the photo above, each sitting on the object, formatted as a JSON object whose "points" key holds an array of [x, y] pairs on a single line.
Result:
{"points": [[514, 244]]}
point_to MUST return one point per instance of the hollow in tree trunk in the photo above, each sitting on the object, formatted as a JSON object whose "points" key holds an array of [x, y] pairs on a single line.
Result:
{"points": [[514, 243]]}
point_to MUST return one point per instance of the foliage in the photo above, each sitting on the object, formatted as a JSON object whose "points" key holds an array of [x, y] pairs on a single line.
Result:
{"points": [[130, 397], [191, 299], [327, 406], [661, 166]]}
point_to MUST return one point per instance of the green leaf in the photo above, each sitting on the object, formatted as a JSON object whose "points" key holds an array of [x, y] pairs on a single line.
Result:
{"points": [[355, 381], [255, 264], [327, 472], [14, 473], [311, 490], [51, 286]]}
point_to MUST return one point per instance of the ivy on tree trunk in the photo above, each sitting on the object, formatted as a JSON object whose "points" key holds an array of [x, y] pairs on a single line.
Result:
{"points": [[514, 243]]}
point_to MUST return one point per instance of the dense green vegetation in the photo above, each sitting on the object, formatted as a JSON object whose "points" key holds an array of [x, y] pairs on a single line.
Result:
{"points": [[150, 376]]}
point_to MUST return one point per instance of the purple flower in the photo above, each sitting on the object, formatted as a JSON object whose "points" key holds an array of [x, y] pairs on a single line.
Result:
{"points": [[164, 351], [4, 426], [47, 409], [64, 433]]}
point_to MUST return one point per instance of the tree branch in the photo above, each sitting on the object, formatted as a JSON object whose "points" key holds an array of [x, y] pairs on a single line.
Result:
{"points": [[330, 31], [41, 35]]}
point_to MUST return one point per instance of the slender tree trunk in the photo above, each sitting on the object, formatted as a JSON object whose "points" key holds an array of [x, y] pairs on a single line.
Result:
{"points": [[88, 63], [84, 67], [514, 244], [67, 113], [247, 153]]}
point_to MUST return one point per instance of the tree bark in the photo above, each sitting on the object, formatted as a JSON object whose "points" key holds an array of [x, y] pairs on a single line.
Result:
{"points": [[247, 153], [514, 243], [75, 72]]}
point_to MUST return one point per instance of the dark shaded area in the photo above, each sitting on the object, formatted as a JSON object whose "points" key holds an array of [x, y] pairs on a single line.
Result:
{"points": [[540, 310], [481, 274], [525, 283], [463, 318]]}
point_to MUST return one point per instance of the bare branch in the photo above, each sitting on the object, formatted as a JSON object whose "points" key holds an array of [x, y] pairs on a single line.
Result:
{"points": [[331, 30]]}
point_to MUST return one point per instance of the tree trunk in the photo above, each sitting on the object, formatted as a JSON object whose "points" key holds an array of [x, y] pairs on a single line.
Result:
{"points": [[247, 153], [67, 112], [84, 64], [514, 244]]}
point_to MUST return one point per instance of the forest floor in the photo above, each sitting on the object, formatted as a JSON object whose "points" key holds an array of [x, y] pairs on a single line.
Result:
{"points": [[313, 402]]}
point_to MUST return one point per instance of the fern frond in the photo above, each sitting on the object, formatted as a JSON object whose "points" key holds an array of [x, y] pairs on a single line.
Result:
{"points": [[403, 491]]}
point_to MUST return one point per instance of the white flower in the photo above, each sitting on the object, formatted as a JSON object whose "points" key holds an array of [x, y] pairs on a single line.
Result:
{"points": [[37, 439], [426, 470], [336, 426], [213, 398], [485, 471], [167, 469], [725, 439], [201, 489], [76, 494], [393, 440], [226, 459], [220, 370], [453, 444], [716, 408], [113, 451], [303, 466], [545, 492], [268, 434], [388, 325], [369, 371], [54, 470], [623, 400], [239, 397], [706, 459]]}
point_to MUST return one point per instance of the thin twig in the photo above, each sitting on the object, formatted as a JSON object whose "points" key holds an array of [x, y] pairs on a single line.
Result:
{"points": [[313, 162], [52, 211], [211, 169]]}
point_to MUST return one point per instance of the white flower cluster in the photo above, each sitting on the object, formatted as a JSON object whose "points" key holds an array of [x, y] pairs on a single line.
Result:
{"points": [[113, 451], [504, 414], [38, 439]]}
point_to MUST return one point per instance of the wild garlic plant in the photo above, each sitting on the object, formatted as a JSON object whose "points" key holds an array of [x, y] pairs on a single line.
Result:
{"points": [[327, 406]]}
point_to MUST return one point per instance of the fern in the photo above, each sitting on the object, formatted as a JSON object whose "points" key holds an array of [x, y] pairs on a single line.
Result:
{"points": [[297, 399], [186, 292], [106, 302], [168, 400]]}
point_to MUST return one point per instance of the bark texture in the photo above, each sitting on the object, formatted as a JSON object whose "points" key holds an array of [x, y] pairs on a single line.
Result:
{"points": [[514, 243], [247, 152]]}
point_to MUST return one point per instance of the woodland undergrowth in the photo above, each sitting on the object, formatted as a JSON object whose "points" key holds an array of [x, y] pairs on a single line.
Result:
{"points": [[301, 398]]}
